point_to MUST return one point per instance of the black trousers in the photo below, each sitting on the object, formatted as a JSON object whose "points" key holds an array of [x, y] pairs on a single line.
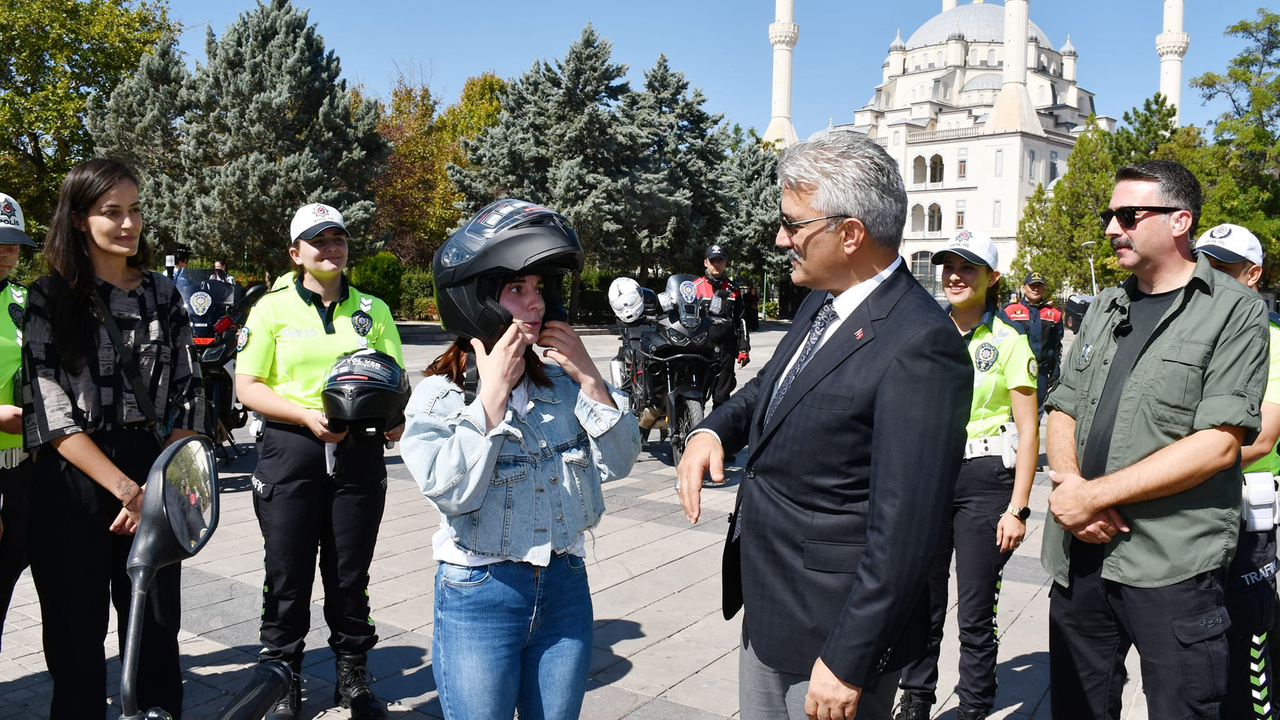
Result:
{"points": [[79, 570], [724, 383], [301, 510], [1179, 630], [1251, 603], [15, 488], [983, 489]]}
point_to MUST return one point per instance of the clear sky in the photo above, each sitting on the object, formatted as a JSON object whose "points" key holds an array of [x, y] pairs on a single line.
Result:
{"points": [[723, 48]]}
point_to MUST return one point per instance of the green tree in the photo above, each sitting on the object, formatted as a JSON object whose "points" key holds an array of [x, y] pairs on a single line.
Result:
{"points": [[1144, 131], [56, 54], [752, 197], [675, 172], [417, 202], [273, 128], [1239, 168], [559, 141], [138, 123], [1059, 233]]}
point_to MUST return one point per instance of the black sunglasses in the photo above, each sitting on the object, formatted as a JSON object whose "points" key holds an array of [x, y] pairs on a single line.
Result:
{"points": [[1128, 215]]}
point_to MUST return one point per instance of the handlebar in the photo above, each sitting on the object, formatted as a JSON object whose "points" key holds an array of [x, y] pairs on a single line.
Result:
{"points": [[270, 682]]}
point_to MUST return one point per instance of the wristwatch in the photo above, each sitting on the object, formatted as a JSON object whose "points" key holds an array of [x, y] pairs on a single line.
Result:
{"points": [[1022, 513]]}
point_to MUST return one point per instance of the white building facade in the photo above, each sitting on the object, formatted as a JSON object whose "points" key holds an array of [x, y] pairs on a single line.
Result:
{"points": [[976, 118]]}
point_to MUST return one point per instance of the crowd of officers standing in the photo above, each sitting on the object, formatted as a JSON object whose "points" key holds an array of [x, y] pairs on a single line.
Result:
{"points": [[1170, 388]]}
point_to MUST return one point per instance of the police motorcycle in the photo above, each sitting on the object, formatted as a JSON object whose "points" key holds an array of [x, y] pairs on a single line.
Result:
{"points": [[217, 310], [666, 364], [179, 515]]}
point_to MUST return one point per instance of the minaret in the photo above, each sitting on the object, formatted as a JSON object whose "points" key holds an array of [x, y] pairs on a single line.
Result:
{"points": [[948, 5], [1013, 111], [1172, 45], [783, 35]]}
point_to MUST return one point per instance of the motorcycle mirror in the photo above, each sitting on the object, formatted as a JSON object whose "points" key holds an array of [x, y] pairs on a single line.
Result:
{"points": [[180, 507], [179, 515]]}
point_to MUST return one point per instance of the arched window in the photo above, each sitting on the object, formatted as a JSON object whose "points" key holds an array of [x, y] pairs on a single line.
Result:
{"points": [[935, 169], [919, 170], [925, 271], [917, 219], [991, 57], [935, 218]]}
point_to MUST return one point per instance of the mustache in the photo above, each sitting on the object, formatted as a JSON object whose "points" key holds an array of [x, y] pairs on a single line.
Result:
{"points": [[793, 257], [1117, 243]]}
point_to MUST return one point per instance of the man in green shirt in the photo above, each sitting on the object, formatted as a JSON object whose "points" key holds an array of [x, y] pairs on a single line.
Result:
{"points": [[1251, 578], [1161, 389]]}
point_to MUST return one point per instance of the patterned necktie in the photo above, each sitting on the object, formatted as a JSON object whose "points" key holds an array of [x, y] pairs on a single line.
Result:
{"points": [[820, 323]]}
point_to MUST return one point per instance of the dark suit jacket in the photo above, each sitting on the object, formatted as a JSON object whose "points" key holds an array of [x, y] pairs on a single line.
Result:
{"points": [[847, 491]]}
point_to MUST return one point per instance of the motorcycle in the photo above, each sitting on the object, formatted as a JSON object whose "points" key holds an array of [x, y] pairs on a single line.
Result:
{"points": [[665, 364], [179, 515], [218, 309]]}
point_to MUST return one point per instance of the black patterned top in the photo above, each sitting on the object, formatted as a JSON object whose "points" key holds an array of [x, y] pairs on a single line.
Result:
{"points": [[153, 321]]}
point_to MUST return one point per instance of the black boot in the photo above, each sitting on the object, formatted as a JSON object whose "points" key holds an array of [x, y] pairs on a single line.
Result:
{"points": [[910, 708], [290, 706], [353, 690], [968, 713]]}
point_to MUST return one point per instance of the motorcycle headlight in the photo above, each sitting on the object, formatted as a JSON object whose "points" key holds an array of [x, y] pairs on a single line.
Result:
{"points": [[211, 354], [676, 337], [700, 338]]}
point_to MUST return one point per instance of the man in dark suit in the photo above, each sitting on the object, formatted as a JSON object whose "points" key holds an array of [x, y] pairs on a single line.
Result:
{"points": [[856, 429]]}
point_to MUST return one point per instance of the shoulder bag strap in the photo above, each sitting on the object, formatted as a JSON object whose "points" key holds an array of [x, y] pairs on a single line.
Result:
{"points": [[130, 366]]}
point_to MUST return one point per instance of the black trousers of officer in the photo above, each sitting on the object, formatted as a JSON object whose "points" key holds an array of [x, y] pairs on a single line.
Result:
{"points": [[1251, 603], [725, 381], [301, 510], [983, 489], [15, 488], [1179, 630], [79, 567]]}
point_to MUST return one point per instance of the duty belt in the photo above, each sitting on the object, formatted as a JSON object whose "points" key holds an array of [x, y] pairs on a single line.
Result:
{"points": [[11, 457], [983, 447]]}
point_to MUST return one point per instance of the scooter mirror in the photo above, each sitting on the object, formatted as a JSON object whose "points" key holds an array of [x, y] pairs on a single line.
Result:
{"points": [[180, 507]]}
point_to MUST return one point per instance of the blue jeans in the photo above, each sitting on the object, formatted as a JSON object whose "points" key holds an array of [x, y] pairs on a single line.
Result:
{"points": [[512, 635]]}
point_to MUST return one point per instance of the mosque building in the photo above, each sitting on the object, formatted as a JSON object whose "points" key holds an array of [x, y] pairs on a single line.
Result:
{"points": [[978, 107]]}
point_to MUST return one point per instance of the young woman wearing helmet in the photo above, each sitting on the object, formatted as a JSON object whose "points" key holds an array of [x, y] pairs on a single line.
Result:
{"points": [[315, 486], [512, 453], [92, 441], [989, 513]]}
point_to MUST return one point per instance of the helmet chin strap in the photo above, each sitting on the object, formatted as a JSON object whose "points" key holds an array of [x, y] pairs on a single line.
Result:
{"points": [[471, 378]]}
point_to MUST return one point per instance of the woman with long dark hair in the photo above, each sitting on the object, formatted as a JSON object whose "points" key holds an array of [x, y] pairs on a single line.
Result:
{"points": [[93, 441]]}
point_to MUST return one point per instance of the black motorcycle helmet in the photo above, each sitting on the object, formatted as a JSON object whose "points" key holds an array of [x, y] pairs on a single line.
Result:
{"points": [[504, 240], [367, 391]]}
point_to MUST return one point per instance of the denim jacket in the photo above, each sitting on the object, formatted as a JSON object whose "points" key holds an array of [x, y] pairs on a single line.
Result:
{"points": [[529, 486]]}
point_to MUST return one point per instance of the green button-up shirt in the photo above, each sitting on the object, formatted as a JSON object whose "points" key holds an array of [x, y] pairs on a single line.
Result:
{"points": [[1204, 366]]}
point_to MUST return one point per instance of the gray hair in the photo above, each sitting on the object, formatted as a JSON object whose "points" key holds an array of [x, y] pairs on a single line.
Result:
{"points": [[851, 175]]}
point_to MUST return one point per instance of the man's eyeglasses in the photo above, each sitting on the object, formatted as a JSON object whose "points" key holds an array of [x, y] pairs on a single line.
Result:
{"points": [[1128, 215], [790, 227]]}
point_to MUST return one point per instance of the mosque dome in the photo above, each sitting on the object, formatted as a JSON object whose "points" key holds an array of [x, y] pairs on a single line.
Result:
{"points": [[898, 45], [985, 81], [978, 22], [1068, 49]]}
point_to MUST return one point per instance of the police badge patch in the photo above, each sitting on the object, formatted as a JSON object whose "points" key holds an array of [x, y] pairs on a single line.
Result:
{"points": [[986, 357], [200, 302], [15, 314], [242, 339], [1033, 368], [361, 322]]}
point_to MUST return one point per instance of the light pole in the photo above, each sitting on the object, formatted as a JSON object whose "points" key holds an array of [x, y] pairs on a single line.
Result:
{"points": [[1092, 277]]}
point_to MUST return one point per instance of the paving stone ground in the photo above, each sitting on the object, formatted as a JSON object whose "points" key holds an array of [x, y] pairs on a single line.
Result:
{"points": [[662, 649]]}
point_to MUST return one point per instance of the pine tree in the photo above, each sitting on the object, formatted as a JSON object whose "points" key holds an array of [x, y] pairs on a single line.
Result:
{"points": [[751, 214], [273, 128], [138, 123], [1144, 131]]}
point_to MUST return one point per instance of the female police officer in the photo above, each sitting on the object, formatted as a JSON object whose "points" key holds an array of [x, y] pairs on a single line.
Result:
{"points": [[314, 487], [990, 509]]}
